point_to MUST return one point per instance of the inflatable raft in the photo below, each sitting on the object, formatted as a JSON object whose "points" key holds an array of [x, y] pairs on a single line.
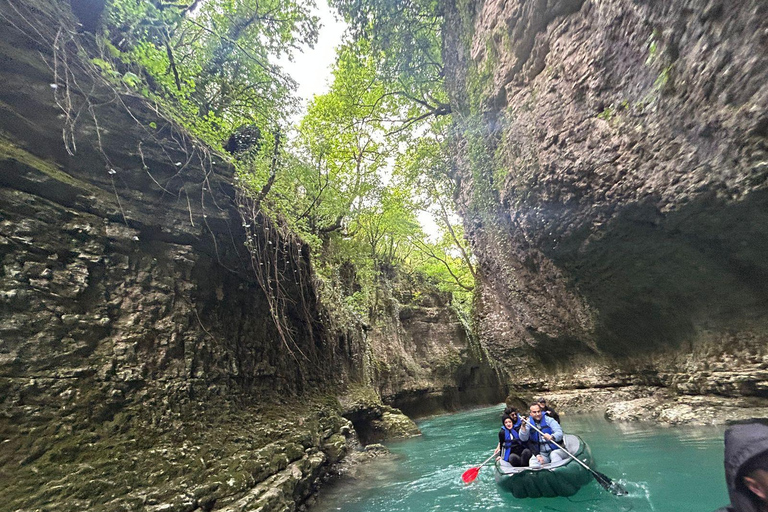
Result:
{"points": [[562, 478]]}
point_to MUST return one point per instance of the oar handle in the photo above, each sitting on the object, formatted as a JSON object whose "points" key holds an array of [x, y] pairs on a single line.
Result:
{"points": [[486, 460]]}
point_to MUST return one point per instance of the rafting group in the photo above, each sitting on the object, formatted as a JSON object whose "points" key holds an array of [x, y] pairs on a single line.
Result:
{"points": [[520, 444], [534, 458]]}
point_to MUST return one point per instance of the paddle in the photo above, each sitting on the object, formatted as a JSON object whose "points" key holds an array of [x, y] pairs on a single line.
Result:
{"points": [[605, 482], [470, 474]]}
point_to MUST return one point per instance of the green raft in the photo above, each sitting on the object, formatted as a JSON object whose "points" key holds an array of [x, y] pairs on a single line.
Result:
{"points": [[563, 478]]}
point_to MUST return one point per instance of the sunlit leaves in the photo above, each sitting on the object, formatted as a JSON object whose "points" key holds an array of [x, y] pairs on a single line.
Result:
{"points": [[344, 144]]}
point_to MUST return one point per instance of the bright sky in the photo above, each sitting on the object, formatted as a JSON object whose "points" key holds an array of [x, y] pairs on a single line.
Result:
{"points": [[312, 69]]}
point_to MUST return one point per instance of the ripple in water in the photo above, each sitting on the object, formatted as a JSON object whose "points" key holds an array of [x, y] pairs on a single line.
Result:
{"points": [[665, 469]]}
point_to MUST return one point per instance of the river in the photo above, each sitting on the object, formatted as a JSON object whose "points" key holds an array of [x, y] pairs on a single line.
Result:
{"points": [[665, 469]]}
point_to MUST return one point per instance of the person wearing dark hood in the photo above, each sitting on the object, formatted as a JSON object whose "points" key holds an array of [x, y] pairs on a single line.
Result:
{"points": [[548, 410], [746, 467]]}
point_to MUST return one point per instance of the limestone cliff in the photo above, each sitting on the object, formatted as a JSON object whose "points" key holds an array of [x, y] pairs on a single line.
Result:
{"points": [[425, 357], [162, 345], [612, 161], [140, 366]]}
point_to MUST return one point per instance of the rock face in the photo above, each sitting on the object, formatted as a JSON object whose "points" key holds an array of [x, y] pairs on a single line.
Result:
{"points": [[124, 256], [151, 357], [133, 318], [612, 160], [373, 421], [425, 358]]}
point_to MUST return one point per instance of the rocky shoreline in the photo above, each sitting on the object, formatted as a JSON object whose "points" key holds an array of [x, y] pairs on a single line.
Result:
{"points": [[655, 404], [203, 455]]}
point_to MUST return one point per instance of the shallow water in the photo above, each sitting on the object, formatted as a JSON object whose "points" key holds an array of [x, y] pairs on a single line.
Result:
{"points": [[665, 469]]}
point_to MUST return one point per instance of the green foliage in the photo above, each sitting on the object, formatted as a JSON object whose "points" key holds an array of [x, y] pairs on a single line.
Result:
{"points": [[369, 156], [659, 59], [104, 66], [342, 137], [606, 114], [210, 61], [612, 110], [131, 79], [405, 37], [653, 46], [663, 80]]}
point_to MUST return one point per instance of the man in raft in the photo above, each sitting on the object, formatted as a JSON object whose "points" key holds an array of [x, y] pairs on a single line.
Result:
{"points": [[544, 451], [545, 409]]}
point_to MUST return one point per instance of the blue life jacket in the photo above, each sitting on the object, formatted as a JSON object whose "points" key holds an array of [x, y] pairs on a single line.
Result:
{"points": [[534, 436], [511, 437]]}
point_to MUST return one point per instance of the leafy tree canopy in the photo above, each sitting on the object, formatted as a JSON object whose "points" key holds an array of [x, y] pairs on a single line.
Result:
{"points": [[405, 37], [368, 157], [214, 59]]}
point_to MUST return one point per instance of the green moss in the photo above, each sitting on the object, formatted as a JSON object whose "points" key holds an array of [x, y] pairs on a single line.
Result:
{"points": [[9, 151], [448, 365], [216, 448], [360, 396], [663, 81], [606, 114], [653, 46], [614, 109]]}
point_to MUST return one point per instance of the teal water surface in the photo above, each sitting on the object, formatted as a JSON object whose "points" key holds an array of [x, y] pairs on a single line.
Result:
{"points": [[665, 469]]}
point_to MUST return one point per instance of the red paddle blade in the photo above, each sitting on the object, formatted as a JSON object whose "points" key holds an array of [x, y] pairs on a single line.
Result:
{"points": [[470, 474]]}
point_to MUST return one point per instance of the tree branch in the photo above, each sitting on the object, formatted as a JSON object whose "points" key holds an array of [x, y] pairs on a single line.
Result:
{"points": [[424, 248], [272, 173], [455, 239]]}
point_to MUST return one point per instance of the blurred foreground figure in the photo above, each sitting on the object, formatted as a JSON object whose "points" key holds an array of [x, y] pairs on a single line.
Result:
{"points": [[746, 467]]}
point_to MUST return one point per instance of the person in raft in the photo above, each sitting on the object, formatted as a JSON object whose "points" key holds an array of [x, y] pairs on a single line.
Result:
{"points": [[510, 448], [548, 410], [746, 467], [544, 451]]}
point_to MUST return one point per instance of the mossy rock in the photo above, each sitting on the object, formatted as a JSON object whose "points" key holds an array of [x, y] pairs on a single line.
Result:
{"points": [[335, 447], [396, 425], [360, 400]]}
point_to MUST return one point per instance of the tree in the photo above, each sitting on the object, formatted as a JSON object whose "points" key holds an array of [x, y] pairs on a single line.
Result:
{"points": [[427, 167], [387, 227], [213, 60], [405, 38], [343, 141]]}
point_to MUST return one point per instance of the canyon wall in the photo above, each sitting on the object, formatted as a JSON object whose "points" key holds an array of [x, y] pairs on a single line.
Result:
{"points": [[163, 346], [140, 366], [612, 164], [125, 255], [426, 358]]}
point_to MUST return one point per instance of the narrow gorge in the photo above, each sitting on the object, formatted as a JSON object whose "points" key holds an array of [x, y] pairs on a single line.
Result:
{"points": [[165, 345]]}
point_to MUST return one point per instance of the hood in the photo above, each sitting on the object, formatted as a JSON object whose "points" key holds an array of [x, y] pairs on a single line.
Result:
{"points": [[742, 443]]}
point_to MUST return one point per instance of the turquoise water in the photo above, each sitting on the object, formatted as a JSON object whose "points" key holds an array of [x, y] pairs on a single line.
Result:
{"points": [[665, 469]]}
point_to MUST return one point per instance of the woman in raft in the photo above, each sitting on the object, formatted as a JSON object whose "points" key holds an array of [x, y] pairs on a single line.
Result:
{"points": [[511, 448]]}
